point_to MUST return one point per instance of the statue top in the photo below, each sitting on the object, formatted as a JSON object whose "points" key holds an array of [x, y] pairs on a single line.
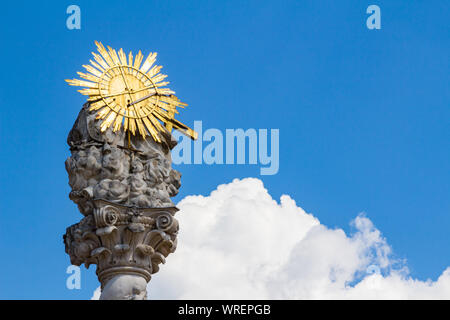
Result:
{"points": [[127, 94]]}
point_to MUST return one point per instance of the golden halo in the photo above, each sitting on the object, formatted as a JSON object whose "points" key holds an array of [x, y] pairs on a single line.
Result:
{"points": [[129, 93]]}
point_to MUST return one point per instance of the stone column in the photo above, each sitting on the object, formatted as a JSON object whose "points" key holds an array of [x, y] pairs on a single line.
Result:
{"points": [[122, 185]]}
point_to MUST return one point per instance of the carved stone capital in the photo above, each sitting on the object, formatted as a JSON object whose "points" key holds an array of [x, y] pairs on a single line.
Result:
{"points": [[122, 240]]}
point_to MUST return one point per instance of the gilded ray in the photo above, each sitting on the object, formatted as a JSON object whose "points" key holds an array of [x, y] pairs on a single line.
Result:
{"points": [[100, 60], [93, 70], [108, 121], [104, 54], [103, 113], [97, 105], [130, 59], [125, 123], [148, 62], [159, 78], [154, 71], [173, 100], [113, 55], [138, 60], [97, 68], [150, 128], [166, 91], [122, 57], [82, 83], [162, 84], [90, 92], [89, 77]]}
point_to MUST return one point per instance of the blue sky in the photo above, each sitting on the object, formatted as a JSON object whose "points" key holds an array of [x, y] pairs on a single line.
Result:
{"points": [[363, 115]]}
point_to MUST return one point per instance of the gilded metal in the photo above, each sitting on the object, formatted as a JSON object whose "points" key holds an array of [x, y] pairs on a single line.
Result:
{"points": [[126, 93]]}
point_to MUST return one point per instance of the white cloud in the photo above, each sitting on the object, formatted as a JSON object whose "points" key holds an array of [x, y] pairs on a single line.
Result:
{"points": [[96, 294], [239, 243]]}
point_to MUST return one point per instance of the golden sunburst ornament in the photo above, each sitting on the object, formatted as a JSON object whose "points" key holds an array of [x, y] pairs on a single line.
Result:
{"points": [[129, 93]]}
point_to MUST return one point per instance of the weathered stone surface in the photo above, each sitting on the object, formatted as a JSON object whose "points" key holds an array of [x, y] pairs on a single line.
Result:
{"points": [[103, 167], [125, 287], [122, 185]]}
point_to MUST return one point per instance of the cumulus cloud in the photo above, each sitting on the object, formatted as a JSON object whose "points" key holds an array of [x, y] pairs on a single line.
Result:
{"points": [[239, 243], [96, 294]]}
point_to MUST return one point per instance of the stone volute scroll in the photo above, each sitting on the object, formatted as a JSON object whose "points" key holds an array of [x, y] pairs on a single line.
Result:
{"points": [[120, 173]]}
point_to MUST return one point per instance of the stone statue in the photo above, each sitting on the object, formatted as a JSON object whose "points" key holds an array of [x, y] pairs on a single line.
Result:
{"points": [[122, 185]]}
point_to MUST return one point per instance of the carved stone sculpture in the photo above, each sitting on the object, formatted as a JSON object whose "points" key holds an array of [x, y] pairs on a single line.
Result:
{"points": [[122, 185]]}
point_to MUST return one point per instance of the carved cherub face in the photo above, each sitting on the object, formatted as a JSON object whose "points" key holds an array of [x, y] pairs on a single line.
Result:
{"points": [[94, 152], [111, 157], [80, 158], [137, 166]]}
